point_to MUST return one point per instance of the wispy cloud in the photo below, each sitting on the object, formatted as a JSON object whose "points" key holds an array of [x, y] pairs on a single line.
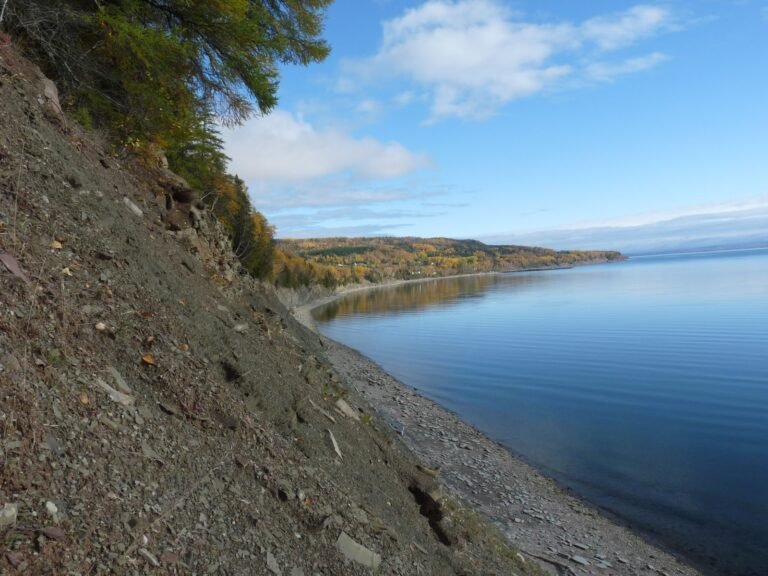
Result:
{"points": [[332, 192], [605, 71], [369, 107], [354, 213], [625, 28], [329, 221], [473, 56], [321, 231], [404, 98], [718, 225], [758, 203]]}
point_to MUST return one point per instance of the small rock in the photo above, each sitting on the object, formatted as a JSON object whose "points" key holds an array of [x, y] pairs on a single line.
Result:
{"points": [[334, 520], [13, 445], [74, 180], [14, 558], [347, 410], [355, 552], [168, 408], [122, 385], [241, 328], [335, 444], [132, 207], [52, 510], [285, 491], [8, 516], [169, 558], [115, 395], [360, 515], [53, 532], [147, 555], [91, 310], [149, 453], [272, 564], [11, 363], [580, 560], [53, 444]]}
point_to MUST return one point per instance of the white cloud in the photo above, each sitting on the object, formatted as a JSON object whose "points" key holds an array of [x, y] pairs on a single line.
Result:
{"points": [[618, 31], [369, 106], [282, 148], [404, 98], [473, 56], [608, 71]]}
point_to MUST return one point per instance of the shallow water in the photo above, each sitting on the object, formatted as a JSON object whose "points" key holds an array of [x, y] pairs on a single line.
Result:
{"points": [[642, 385]]}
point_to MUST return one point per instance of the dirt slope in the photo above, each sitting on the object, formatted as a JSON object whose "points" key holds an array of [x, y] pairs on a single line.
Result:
{"points": [[160, 412]]}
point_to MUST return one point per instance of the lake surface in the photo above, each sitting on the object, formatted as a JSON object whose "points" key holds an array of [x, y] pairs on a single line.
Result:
{"points": [[643, 386]]}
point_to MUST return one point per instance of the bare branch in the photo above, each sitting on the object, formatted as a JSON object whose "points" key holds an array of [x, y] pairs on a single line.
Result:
{"points": [[2, 12]]}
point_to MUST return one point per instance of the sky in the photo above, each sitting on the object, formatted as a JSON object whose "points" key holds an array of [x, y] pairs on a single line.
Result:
{"points": [[593, 124]]}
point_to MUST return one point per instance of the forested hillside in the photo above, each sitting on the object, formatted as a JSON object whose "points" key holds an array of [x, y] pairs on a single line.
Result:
{"points": [[333, 261]]}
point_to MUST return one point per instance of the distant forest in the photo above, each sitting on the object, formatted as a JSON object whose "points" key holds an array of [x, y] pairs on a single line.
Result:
{"points": [[335, 261]]}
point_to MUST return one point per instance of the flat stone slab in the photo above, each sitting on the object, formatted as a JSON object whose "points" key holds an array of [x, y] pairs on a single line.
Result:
{"points": [[357, 552]]}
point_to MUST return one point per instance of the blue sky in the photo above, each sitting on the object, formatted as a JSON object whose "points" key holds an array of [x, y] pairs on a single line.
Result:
{"points": [[520, 121]]}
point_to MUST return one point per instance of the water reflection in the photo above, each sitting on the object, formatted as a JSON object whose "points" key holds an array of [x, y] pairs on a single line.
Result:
{"points": [[413, 296]]}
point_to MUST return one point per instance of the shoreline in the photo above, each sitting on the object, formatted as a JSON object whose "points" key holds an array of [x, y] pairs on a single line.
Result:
{"points": [[303, 312], [564, 533]]}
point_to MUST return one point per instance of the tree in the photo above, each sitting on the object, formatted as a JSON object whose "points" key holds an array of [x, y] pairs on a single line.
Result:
{"points": [[150, 69], [166, 73]]}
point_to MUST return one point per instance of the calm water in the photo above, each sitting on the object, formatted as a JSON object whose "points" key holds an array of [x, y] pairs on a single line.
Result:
{"points": [[641, 385]]}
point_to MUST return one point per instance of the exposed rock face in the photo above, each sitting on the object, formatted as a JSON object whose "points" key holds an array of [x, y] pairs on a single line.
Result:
{"points": [[49, 98]]}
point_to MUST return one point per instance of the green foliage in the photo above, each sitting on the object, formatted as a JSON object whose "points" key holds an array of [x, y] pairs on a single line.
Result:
{"points": [[148, 69], [163, 74]]}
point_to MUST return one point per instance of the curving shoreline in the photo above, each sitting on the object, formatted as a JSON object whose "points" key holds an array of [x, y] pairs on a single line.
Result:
{"points": [[303, 312], [564, 533]]}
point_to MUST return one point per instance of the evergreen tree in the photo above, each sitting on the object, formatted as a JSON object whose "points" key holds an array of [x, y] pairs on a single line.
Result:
{"points": [[147, 68]]}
